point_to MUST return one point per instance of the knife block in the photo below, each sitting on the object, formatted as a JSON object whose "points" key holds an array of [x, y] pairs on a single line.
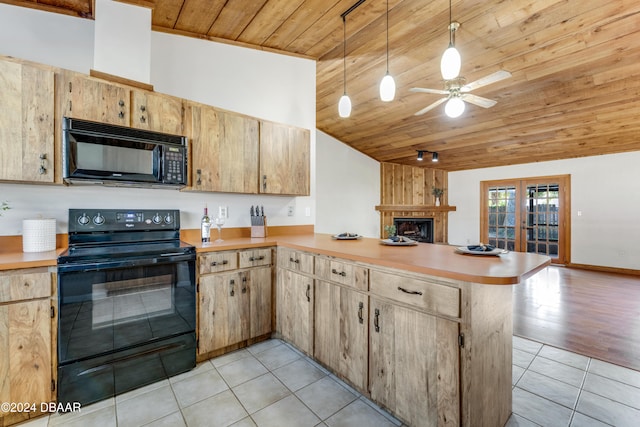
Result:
{"points": [[259, 230]]}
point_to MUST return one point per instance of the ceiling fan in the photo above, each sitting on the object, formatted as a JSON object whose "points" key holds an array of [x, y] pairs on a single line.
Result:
{"points": [[457, 92]]}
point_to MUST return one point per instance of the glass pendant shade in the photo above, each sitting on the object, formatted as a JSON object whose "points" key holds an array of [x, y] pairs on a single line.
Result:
{"points": [[387, 88], [450, 63], [454, 107], [344, 106]]}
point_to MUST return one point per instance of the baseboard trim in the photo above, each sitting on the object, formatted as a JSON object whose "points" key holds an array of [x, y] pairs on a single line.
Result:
{"points": [[618, 270]]}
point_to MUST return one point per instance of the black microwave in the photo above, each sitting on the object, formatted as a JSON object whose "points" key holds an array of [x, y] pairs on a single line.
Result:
{"points": [[108, 154]]}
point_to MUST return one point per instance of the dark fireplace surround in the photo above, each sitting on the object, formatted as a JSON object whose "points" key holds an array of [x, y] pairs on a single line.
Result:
{"points": [[418, 229]]}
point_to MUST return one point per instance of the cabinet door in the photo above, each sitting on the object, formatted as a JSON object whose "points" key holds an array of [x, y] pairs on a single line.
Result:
{"points": [[224, 150], [260, 297], [25, 361], [294, 303], [414, 364], [156, 112], [341, 331], [284, 159], [26, 122], [223, 311], [93, 99]]}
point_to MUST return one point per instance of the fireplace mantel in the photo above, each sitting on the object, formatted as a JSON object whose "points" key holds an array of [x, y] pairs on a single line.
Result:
{"points": [[414, 208]]}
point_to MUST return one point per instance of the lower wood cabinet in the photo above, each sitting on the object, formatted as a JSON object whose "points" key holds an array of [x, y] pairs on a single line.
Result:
{"points": [[341, 331], [233, 306], [294, 308], [26, 341], [414, 364]]}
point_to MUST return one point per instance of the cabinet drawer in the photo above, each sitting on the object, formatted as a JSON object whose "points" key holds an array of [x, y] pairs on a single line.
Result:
{"points": [[432, 297], [342, 272], [22, 286], [295, 260], [255, 257], [218, 261]]}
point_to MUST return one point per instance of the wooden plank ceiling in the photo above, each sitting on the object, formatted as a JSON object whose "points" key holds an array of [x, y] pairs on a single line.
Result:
{"points": [[575, 64]]}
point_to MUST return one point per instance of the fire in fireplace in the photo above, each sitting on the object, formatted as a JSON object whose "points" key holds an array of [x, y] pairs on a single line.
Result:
{"points": [[418, 229]]}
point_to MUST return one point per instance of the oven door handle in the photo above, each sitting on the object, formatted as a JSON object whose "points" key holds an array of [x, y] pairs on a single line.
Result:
{"points": [[106, 265]]}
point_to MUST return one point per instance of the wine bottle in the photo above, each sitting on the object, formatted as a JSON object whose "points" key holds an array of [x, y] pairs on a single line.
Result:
{"points": [[205, 226]]}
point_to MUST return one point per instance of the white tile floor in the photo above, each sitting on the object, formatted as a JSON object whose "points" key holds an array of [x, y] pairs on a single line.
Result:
{"points": [[272, 384]]}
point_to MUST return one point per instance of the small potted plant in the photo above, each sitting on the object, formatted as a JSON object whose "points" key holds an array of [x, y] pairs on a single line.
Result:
{"points": [[437, 192], [4, 206], [390, 230]]}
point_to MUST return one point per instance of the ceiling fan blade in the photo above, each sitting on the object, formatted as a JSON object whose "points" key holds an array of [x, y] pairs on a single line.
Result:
{"points": [[487, 80], [478, 100], [430, 107], [424, 90]]}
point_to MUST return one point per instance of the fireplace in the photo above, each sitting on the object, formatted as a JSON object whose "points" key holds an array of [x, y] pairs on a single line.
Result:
{"points": [[418, 229]]}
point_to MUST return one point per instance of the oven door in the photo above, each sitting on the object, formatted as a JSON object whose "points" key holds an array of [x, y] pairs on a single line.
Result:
{"points": [[124, 324], [113, 306]]}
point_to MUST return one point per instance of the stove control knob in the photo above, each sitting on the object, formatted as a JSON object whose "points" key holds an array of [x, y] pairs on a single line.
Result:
{"points": [[98, 219], [168, 219], [157, 219], [84, 219]]}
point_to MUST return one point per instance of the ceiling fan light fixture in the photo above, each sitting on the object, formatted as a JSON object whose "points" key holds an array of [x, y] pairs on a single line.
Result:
{"points": [[451, 63], [387, 88], [454, 107], [344, 106]]}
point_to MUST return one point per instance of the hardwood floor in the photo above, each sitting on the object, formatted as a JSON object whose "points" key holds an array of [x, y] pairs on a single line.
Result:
{"points": [[591, 313]]}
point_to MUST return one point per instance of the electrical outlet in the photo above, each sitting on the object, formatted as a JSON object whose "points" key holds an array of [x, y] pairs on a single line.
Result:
{"points": [[290, 210], [223, 212]]}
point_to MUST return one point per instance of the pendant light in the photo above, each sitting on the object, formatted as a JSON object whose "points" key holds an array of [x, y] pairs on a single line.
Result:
{"points": [[344, 105], [451, 61], [387, 85]]}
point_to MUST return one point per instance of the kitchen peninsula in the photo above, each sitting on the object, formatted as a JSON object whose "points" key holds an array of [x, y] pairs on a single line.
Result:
{"points": [[423, 331]]}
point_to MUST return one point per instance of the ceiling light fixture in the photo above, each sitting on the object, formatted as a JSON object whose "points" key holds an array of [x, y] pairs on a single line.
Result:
{"points": [[434, 155], [454, 107], [451, 62], [344, 105], [387, 85]]}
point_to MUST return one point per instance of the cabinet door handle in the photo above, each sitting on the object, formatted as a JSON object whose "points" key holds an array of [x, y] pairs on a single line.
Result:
{"points": [[199, 177], [376, 320], [256, 258], [215, 263], [143, 108], [143, 119], [232, 284], [43, 169], [308, 293], [339, 273], [244, 285], [360, 310], [121, 114], [121, 103], [409, 292], [264, 182], [297, 261]]}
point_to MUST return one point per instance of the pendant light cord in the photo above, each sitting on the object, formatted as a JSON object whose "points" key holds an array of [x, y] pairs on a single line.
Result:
{"points": [[344, 52], [388, 36]]}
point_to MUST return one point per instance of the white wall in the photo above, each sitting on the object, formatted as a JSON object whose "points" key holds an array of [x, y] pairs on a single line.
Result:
{"points": [[348, 185], [604, 189], [261, 84]]}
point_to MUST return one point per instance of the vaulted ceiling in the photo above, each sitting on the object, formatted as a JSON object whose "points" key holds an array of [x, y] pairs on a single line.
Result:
{"points": [[575, 68]]}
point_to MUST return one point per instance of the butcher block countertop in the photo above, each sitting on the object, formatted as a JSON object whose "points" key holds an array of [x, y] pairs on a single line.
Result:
{"points": [[432, 259]]}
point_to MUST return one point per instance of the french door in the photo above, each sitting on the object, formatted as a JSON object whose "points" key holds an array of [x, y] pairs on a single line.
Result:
{"points": [[528, 215]]}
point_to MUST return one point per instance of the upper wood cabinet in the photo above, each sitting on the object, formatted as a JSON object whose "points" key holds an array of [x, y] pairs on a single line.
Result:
{"points": [[88, 98], [26, 122], [156, 112], [284, 159], [224, 153]]}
